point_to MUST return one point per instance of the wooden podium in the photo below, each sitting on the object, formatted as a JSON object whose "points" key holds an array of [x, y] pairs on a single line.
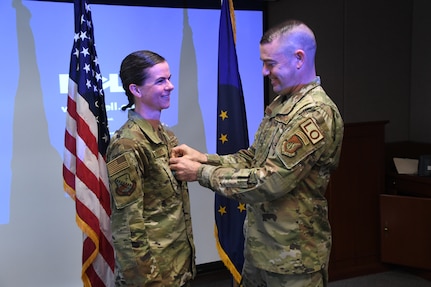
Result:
{"points": [[405, 211], [380, 219], [353, 200]]}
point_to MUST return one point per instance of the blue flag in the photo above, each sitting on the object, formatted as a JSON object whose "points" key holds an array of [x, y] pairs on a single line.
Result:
{"points": [[232, 135]]}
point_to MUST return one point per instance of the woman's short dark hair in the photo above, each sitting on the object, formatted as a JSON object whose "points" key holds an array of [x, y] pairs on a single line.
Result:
{"points": [[133, 70]]}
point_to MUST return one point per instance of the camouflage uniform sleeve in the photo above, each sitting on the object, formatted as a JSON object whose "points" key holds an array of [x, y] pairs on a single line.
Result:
{"points": [[213, 159], [291, 156], [241, 159], [134, 263]]}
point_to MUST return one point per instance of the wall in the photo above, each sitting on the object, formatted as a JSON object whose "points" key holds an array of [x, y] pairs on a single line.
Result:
{"points": [[372, 59], [421, 61]]}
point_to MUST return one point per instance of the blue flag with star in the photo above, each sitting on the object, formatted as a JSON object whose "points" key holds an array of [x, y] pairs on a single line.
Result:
{"points": [[232, 135]]}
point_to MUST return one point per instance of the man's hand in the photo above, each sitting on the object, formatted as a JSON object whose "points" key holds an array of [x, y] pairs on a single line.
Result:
{"points": [[184, 168], [189, 153]]}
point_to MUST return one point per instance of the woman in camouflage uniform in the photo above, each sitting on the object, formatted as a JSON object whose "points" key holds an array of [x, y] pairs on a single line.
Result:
{"points": [[151, 224]]}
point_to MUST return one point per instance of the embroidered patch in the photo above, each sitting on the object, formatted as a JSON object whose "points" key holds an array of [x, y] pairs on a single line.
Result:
{"points": [[291, 145], [310, 128], [117, 164], [303, 137], [125, 186]]}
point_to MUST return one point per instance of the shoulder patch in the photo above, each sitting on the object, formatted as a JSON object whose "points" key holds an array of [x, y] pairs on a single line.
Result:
{"points": [[125, 186], [291, 145], [311, 130], [117, 164]]}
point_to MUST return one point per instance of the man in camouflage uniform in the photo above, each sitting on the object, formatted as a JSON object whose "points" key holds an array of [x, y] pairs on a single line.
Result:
{"points": [[284, 174], [151, 224]]}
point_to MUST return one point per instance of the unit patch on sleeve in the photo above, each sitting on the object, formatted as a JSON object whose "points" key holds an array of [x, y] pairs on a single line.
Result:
{"points": [[125, 186], [291, 145], [311, 130]]}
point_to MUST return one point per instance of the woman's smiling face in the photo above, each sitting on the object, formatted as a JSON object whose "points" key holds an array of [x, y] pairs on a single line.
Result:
{"points": [[156, 90]]}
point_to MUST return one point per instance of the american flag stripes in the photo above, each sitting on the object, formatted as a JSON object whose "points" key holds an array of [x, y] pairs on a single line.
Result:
{"points": [[86, 139]]}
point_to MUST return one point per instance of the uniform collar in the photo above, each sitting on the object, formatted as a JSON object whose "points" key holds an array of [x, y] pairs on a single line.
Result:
{"points": [[282, 104], [144, 125]]}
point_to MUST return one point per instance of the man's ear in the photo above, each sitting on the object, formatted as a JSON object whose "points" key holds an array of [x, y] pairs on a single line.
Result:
{"points": [[300, 56]]}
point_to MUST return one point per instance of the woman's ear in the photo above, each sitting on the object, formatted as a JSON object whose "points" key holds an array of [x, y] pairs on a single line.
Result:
{"points": [[134, 89]]}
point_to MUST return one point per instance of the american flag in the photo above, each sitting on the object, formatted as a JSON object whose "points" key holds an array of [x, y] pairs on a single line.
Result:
{"points": [[232, 135], [86, 140]]}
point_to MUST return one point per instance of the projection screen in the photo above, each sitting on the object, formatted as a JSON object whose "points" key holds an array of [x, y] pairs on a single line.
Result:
{"points": [[40, 243]]}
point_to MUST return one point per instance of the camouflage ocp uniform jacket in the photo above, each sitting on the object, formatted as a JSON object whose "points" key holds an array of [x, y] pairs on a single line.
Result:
{"points": [[151, 223], [283, 177]]}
